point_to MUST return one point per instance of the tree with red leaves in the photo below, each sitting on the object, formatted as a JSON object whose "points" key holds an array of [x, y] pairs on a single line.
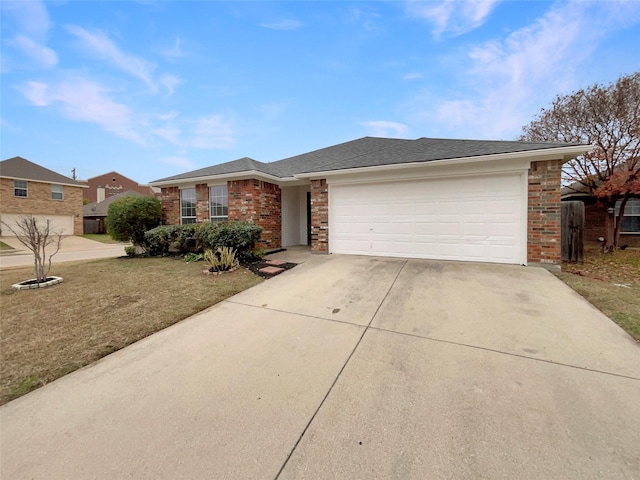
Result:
{"points": [[607, 117]]}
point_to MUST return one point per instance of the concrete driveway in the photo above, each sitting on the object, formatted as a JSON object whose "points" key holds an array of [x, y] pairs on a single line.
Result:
{"points": [[352, 367], [72, 248]]}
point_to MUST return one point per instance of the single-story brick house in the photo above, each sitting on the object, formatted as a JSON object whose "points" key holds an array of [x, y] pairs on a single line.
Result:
{"points": [[27, 188], [470, 200], [595, 215]]}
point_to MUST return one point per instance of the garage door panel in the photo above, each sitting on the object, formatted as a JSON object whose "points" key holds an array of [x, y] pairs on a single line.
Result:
{"points": [[457, 219]]}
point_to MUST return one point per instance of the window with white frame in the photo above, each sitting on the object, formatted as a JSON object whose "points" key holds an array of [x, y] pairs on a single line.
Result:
{"points": [[56, 192], [631, 218], [218, 203], [188, 205], [20, 188]]}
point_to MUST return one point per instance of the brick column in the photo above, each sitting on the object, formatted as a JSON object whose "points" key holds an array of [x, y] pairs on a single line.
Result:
{"points": [[170, 200], [319, 216], [202, 203], [258, 202], [544, 219]]}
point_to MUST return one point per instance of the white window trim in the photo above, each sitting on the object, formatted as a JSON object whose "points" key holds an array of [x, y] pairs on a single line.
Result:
{"points": [[189, 217], [26, 189], [218, 218], [61, 192], [627, 213]]}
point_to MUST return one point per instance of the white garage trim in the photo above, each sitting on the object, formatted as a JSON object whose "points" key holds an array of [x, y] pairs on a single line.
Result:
{"points": [[62, 224], [468, 218]]}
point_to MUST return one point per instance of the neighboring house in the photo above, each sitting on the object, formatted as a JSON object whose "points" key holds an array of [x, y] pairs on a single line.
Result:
{"points": [[487, 201], [95, 213], [595, 215], [113, 183], [29, 189]]}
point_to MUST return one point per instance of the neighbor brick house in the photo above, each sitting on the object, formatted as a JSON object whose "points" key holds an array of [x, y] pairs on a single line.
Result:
{"points": [[595, 215], [109, 184], [30, 189], [489, 201]]}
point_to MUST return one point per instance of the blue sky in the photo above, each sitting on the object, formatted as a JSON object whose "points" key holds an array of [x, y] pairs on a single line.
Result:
{"points": [[156, 88]]}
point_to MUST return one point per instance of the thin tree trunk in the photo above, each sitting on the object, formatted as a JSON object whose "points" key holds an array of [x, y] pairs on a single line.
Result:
{"points": [[618, 226]]}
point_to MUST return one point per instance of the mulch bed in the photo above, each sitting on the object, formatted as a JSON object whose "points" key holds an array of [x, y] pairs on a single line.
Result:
{"points": [[257, 265]]}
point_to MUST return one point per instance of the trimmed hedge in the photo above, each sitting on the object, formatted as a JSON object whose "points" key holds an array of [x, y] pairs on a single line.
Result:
{"points": [[195, 238]]}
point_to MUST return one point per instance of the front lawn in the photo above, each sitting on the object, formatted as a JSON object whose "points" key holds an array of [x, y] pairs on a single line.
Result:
{"points": [[4, 246], [102, 306], [611, 282]]}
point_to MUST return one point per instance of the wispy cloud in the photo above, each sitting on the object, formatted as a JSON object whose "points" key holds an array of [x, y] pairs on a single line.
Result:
{"points": [[512, 77], [86, 101], [412, 76], [31, 18], [212, 132], [101, 46], [285, 24], [383, 128], [451, 17], [42, 55], [175, 51], [170, 82]]}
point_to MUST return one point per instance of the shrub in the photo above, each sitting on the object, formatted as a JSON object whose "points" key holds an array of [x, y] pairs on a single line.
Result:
{"points": [[241, 236], [129, 218], [224, 258], [130, 251], [193, 257], [251, 255], [166, 239], [195, 238]]}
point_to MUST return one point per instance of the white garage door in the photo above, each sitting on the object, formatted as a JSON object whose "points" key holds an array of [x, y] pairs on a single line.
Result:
{"points": [[59, 223], [476, 218]]}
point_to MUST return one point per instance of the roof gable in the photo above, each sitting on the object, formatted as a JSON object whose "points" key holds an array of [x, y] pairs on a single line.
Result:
{"points": [[22, 169]]}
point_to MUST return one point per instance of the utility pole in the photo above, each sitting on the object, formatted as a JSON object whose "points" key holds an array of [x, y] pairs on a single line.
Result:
{"points": [[73, 173]]}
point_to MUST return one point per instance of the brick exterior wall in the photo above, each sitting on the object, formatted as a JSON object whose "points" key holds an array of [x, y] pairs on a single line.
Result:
{"points": [[202, 203], [39, 201], [594, 226], [170, 200], [258, 202], [543, 222], [252, 201], [113, 184], [319, 216]]}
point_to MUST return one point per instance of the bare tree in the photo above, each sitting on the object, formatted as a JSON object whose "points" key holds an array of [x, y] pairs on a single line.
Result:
{"points": [[607, 117], [37, 236]]}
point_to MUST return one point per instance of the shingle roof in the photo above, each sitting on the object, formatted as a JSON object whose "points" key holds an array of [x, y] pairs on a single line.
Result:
{"points": [[99, 209], [236, 166], [371, 152], [22, 169]]}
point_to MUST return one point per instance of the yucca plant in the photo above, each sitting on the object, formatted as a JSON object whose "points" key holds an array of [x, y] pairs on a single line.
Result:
{"points": [[224, 258]]}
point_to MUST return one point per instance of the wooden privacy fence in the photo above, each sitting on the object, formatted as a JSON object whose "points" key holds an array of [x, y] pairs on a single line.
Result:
{"points": [[572, 217], [93, 225]]}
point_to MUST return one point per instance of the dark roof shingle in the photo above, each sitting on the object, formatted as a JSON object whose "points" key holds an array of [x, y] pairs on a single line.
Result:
{"points": [[23, 169], [371, 152]]}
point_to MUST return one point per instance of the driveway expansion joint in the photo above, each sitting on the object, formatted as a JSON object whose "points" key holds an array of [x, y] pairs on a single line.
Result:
{"points": [[511, 354], [324, 399]]}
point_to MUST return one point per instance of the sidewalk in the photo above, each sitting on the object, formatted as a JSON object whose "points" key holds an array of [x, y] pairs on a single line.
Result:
{"points": [[72, 248]]}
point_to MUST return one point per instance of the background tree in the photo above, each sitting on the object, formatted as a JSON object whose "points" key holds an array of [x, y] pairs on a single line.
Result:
{"points": [[607, 117], [129, 217], [37, 236]]}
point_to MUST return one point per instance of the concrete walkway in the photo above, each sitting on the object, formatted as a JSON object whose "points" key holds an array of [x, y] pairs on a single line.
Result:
{"points": [[72, 248], [352, 367]]}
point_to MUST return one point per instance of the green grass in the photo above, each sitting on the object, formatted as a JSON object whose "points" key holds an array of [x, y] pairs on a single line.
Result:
{"points": [[100, 237], [4, 246]]}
